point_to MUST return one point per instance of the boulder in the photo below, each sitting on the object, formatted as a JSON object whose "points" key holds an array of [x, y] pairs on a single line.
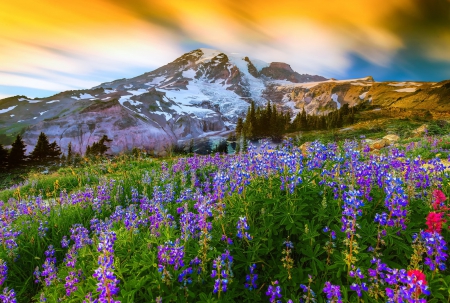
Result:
{"points": [[379, 144], [420, 131], [392, 138]]}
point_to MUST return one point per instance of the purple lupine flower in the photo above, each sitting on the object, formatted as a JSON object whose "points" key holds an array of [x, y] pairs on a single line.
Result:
{"points": [[396, 202], [42, 229], [326, 229], [89, 299], [107, 282], [333, 292], [356, 273], [308, 294], [3, 272], [64, 242], [49, 266], [274, 292], [170, 254], [37, 275], [8, 296], [333, 235], [184, 276], [71, 257], [359, 288], [80, 236], [224, 238], [195, 263], [242, 227], [220, 284], [71, 280], [435, 246], [405, 288], [351, 209], [188, 224], [250, 279]]}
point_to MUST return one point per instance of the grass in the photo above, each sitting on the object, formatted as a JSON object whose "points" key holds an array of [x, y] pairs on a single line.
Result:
{"points": [[282, 197]]}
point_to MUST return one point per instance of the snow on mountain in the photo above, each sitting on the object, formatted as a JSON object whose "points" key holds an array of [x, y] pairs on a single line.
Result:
{"points": [[2, 111], [202, 92]]}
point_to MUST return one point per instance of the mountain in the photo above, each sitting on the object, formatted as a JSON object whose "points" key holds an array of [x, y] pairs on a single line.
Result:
{"points": [[203, 92]]}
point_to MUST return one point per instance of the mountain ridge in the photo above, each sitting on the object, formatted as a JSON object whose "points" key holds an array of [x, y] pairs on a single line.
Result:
{"points": [[199, 93]]}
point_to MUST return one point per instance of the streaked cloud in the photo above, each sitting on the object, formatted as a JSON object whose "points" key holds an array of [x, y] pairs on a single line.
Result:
{"points": [[56, 45]]}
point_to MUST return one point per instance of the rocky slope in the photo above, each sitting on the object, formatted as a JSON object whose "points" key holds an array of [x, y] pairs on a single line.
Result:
{"points": [[201, 93]]}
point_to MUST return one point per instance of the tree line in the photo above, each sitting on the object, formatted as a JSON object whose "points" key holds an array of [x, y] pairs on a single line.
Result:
{"points": [[268, 122], [45, 152]]}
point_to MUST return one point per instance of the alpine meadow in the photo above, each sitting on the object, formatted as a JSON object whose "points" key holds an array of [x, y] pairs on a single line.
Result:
{"points": [[224, 151]]}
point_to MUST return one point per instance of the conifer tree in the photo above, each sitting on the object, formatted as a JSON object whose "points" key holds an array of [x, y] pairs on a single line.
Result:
{"points": [[244, 143], [239, 128], [69, 153], [54, 151], [238, 147], [88, 151], [191, 146], [42, 149], [3, 157], [303, 120], [17, 153], [102, 148]]}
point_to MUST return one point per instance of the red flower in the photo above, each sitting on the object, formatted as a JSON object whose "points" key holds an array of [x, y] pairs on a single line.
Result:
{"points": [[439, 197], [417, 276], [434, 222]]}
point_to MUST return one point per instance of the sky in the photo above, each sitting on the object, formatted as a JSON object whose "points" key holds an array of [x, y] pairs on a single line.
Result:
{"points": [[48, 46]]}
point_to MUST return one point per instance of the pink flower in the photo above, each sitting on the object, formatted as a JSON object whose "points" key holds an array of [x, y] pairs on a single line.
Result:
{"points": [[434, 222], [439, 197], [417, 276]]}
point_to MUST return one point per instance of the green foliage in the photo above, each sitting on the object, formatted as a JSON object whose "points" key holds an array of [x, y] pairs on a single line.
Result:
{"points": [[263, 122], [17, 153], [45, 151], [274, 214], [98, 148], [3, 157]]}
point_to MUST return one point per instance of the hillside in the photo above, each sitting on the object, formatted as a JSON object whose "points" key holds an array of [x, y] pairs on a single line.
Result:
{"points": [[199, 94]]}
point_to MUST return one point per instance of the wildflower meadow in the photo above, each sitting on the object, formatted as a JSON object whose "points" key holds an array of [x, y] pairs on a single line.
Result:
{"points": [[334, 223]]}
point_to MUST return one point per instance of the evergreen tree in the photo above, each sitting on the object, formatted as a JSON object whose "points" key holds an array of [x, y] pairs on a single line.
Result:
{"points": [[303, 120], [238, 147], [244, 144], [88, 151], [54, 151], [222, 147], [252, 113], [77, 158], [17, 153], [98, 148], [339, 120], [191, 146], [41, 150], [102, 147], [69, 153], [239, 128], [267, 119], [3, 157]]}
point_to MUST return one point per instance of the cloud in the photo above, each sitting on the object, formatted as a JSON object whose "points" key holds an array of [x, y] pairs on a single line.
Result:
{"points": [[51, 44], [3, 96], [79, 59]]}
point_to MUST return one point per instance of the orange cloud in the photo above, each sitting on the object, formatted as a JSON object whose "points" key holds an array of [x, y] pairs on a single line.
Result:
{"points": [[96, 37]]}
